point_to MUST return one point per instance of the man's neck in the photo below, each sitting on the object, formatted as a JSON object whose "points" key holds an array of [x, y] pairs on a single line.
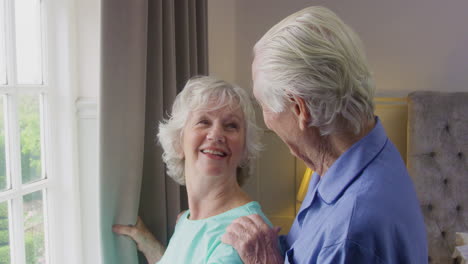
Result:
{"points": [[329, 148]]}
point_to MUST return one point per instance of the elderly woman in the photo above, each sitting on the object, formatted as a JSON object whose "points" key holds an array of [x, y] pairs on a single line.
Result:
{"points": [[313, 83], [209, 142]]}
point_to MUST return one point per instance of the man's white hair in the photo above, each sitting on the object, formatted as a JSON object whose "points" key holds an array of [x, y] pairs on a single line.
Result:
{"points": [[315, 56], [207, 94]]}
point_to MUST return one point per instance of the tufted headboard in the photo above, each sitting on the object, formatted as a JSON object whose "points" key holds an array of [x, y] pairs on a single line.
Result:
{"points": [[438, 164]]}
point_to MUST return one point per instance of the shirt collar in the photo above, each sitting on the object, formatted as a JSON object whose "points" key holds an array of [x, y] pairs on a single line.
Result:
{"points": [[314, 181], [351, 163]]}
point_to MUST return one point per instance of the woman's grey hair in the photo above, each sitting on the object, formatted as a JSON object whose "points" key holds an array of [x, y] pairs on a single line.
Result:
{"points": [[198, 94], [315, 56]]}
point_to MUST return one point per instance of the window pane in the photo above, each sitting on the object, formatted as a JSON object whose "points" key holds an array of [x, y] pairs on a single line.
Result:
{"points": [[3, 78], [34, 227], [3, 175], [30, 136], [28, 41], [4, 234]]}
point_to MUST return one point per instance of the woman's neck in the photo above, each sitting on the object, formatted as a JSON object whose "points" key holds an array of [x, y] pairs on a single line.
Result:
{"points": [[209, 196]]}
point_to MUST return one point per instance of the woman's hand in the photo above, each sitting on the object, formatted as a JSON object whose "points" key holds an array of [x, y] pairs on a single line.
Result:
{"points": [[144, 239], [254, 240]]}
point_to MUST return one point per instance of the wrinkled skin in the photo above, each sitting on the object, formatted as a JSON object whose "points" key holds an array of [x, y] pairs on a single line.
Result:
{"points": [[254, 240]]}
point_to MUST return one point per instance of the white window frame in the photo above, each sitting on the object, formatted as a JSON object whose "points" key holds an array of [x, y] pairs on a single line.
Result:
{"points": [[58, 94], [64, 207]]}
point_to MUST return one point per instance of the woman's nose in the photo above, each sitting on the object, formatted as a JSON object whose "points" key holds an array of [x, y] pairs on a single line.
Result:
{"points": [[216, 134]]}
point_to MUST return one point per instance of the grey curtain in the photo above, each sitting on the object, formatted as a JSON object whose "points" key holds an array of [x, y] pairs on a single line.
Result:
{"points": [[149, 50], [177, 50]]}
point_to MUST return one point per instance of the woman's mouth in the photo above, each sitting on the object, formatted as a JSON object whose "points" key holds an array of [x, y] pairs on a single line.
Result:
{"points": [[218, 153]]}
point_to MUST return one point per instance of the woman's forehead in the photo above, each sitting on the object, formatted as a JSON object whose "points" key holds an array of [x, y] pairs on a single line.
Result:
{"points": [[224, 111]]}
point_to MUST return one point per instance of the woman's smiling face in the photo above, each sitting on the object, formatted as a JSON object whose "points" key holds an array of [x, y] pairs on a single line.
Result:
{"points": [[213, 142]]}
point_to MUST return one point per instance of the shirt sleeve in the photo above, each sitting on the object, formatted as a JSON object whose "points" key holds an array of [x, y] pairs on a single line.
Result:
{"points": [[347, 252], [224, 254]]}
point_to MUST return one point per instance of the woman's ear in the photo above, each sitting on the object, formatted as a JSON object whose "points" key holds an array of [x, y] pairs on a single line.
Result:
{"points": [[179, 150], [178, 145], [299, 108], [245, 159], [181, 155]]}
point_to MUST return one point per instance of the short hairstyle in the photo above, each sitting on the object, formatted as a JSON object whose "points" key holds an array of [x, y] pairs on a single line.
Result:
{"points": [[314, 55], [198, 93]]}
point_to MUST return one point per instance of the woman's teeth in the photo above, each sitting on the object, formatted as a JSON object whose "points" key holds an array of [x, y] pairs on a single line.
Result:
{"points": [[214, 152]]}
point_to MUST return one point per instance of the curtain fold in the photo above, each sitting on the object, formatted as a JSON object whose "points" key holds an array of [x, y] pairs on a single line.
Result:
{"points": [[149, 50], [121, 122], [176, 31]]}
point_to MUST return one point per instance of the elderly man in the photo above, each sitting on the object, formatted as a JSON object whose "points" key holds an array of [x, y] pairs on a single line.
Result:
{"points": [[312, 80]]}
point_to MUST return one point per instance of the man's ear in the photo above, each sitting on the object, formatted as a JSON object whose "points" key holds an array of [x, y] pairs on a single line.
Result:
{"points": [[299, 108]]}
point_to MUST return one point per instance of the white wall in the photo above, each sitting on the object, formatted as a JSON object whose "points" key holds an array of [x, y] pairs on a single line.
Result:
{"points": [[411, 45], [222, 59], [88, 47]]}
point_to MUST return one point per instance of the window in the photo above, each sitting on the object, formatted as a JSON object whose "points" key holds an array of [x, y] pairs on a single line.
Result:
{"points": [[24, 91]]}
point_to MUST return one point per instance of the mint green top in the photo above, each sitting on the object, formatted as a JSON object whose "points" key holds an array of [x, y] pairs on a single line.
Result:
{"points": [[199, 241]]}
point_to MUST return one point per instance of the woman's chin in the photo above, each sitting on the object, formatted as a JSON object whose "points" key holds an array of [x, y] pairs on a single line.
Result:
{"points": [[214, 171]]}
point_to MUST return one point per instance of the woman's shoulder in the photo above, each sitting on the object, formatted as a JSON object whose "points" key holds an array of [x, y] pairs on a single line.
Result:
{"points": [[255, 208], [181, 219], [250, 208], [223, 253]]}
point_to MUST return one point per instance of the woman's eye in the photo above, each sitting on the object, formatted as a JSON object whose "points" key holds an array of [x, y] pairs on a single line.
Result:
{"points": [[232, 126], [203, 122]]}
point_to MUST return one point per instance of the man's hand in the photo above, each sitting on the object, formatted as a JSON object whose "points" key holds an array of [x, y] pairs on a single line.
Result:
{"points": [[144, 239], [254, 240]]}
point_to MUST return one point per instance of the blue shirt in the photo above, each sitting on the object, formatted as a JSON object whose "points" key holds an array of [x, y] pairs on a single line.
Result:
{"points": [[363, 210]]}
